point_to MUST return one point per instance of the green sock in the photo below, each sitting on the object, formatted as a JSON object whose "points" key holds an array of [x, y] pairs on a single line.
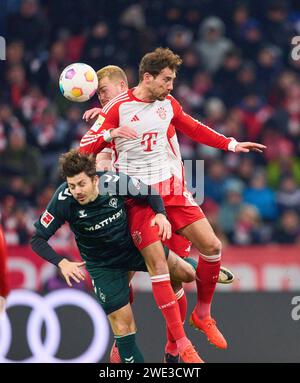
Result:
{"points": [[128, 349], [192, 262]]}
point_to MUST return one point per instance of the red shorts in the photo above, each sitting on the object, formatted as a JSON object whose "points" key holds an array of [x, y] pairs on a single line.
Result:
{"points": [[182, 210], [179, 244]]}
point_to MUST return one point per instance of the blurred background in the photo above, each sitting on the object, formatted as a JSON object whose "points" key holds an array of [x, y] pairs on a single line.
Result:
{"points": [[239, 77]]}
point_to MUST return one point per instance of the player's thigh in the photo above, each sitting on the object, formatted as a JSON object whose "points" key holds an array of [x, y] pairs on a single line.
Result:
{"points": [[122, 321], [111, 287], [202, 235], [180, 271], [183, 215]]}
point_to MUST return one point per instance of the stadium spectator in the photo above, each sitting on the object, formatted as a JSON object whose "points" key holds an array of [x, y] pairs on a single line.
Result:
{"points": [[251, 38], [21, 168], [226, 77], [288, 195], [30, 26], [288, 230], [99, 48], [261, 196], [212, 45], [8, 123], [277, 28], [48, 69], [248, 228], [231, 207], [215, 180], [50, 135], [17, 84]]}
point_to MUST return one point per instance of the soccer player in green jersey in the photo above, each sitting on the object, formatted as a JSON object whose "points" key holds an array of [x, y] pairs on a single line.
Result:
{"points": [[94, 206]]}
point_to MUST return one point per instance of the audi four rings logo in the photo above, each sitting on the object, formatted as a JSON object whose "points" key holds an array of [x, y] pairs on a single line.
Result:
{"points": [[44, 311]]}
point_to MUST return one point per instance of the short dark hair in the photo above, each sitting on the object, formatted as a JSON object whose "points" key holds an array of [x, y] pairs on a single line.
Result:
{"points": [[154, 62], [74, 162]]}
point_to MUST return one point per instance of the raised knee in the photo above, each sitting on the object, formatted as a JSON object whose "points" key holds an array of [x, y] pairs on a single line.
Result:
{"points": [[122, 328], [214, 248], [158, 268], [189, 274]]}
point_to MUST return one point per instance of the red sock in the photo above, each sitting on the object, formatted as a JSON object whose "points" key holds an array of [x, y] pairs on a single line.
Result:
{"points": [[167, 303], [207, 275], [3, 272], [171, 346]]}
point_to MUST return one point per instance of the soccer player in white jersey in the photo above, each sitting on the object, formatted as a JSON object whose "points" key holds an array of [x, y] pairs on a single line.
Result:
{"points": [[112, 81], [153, 252], [148, 110]]}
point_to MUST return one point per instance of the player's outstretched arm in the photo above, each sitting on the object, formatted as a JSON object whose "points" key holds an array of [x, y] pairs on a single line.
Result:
{"points": [[203, 134]]}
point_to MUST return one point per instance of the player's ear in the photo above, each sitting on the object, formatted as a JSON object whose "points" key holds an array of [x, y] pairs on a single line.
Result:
{"points": [[95, 179], [147, 77], [123, 86]]}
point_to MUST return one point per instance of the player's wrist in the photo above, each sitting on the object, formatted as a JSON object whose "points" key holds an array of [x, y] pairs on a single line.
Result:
{"points": [[162, 214], [232, 145], [63, 262], [107, 135]]}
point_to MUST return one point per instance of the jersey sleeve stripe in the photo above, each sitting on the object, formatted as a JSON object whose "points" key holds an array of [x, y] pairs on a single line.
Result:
{"points": [[116, 98], [114, 101], [207, 127], [90, 136], [91, 139], [87, 143], [124, 94], [107, 108]]}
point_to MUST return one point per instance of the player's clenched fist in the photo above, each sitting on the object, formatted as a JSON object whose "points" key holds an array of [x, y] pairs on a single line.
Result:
{"points": [[71, 270], [164, 226]]}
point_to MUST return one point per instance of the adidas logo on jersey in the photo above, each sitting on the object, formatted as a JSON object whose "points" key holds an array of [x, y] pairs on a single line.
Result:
{"points": [[135, 118]]}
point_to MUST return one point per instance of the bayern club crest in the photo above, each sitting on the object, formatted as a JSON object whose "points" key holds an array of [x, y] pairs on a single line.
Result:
{"points": [[161, 111], [137, 237]]}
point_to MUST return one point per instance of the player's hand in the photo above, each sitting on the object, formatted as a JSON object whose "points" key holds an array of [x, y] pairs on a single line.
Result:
{"points": [[91, 113], [124, 132], [164, 226], [246, 147], [71, 270]]}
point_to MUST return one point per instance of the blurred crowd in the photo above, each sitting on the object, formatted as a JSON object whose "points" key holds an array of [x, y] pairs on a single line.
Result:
{"points": [[238, 76]]}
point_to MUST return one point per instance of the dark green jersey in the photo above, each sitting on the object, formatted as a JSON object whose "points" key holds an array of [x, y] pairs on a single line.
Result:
{"points": [[100, 227]]}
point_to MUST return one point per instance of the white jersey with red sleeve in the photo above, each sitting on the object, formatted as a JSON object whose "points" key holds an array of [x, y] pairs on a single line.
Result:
{"points": [[148, 156]]}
